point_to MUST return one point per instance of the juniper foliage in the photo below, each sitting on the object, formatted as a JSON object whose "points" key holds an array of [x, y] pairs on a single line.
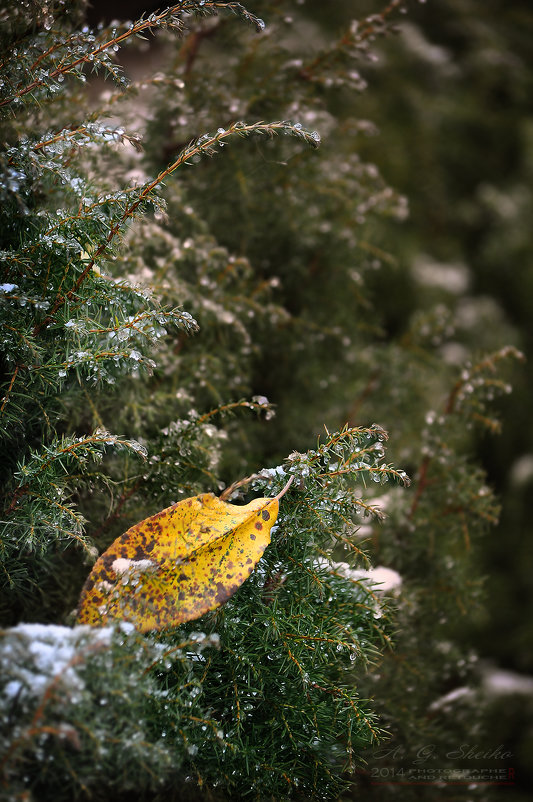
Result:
{"points": [[75, 327], [152, 298]]}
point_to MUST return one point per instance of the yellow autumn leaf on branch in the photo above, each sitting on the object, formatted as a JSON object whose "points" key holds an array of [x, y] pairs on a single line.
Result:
{"points": [[179, 563]]}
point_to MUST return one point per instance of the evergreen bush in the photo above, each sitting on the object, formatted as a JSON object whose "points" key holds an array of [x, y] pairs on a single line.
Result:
{"points": [[151, 299]]}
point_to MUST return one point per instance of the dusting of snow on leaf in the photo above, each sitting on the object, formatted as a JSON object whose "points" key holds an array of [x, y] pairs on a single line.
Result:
{"points": [[122, 565]]}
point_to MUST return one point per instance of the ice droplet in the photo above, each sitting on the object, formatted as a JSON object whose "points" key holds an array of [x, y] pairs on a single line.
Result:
{"points": [[140, 449]]}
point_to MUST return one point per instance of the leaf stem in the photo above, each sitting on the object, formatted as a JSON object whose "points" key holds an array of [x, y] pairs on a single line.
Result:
{"points": [[282, 492]]}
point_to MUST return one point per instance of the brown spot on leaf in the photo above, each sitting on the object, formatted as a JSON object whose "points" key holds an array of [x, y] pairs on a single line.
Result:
{"points": [[216, 544], [223, 593]]}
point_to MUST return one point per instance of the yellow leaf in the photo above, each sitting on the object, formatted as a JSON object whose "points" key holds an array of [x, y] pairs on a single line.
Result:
{"points": [[179, 563]]}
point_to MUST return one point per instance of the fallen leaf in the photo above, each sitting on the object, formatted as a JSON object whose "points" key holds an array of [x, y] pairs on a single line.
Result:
{"points": [[179, 563]]}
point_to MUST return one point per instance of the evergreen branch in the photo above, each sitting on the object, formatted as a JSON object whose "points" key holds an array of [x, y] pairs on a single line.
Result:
{"points": [[85, 211], [56, 46], [492, 425], [236, 8], [472, 379], [9, 389], [377, 472], [68, 449], [316, 639], [205, 721], [348, 545], [343, 694], [302, 672], [135, 323], [355, 37], [34, 727], [82, 358], [89, 57], [167, 18], [374, 23], [261, 405], [85, 134], [26, 736], [204, 145], [488, 364], [177, 648]]}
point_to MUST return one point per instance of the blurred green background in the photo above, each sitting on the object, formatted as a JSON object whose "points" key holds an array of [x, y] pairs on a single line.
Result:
{"points": [[453, 98]]}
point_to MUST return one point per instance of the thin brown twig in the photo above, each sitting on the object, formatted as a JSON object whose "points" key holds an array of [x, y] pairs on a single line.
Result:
{"points": [[191, 47], [8, 391], [367, 29]]}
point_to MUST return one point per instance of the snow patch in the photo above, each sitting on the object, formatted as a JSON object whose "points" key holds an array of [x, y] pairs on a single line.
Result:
{"points": [[382, 579], [35, 656], [122, 565], [455, 278], [499, 682], [449, 699]]}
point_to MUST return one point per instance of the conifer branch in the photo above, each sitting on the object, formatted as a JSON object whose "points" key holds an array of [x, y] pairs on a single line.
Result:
{"points": [[474, 380], [13, 379], [205, 145], [167, 18], [355, 38], [266, 257]]}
